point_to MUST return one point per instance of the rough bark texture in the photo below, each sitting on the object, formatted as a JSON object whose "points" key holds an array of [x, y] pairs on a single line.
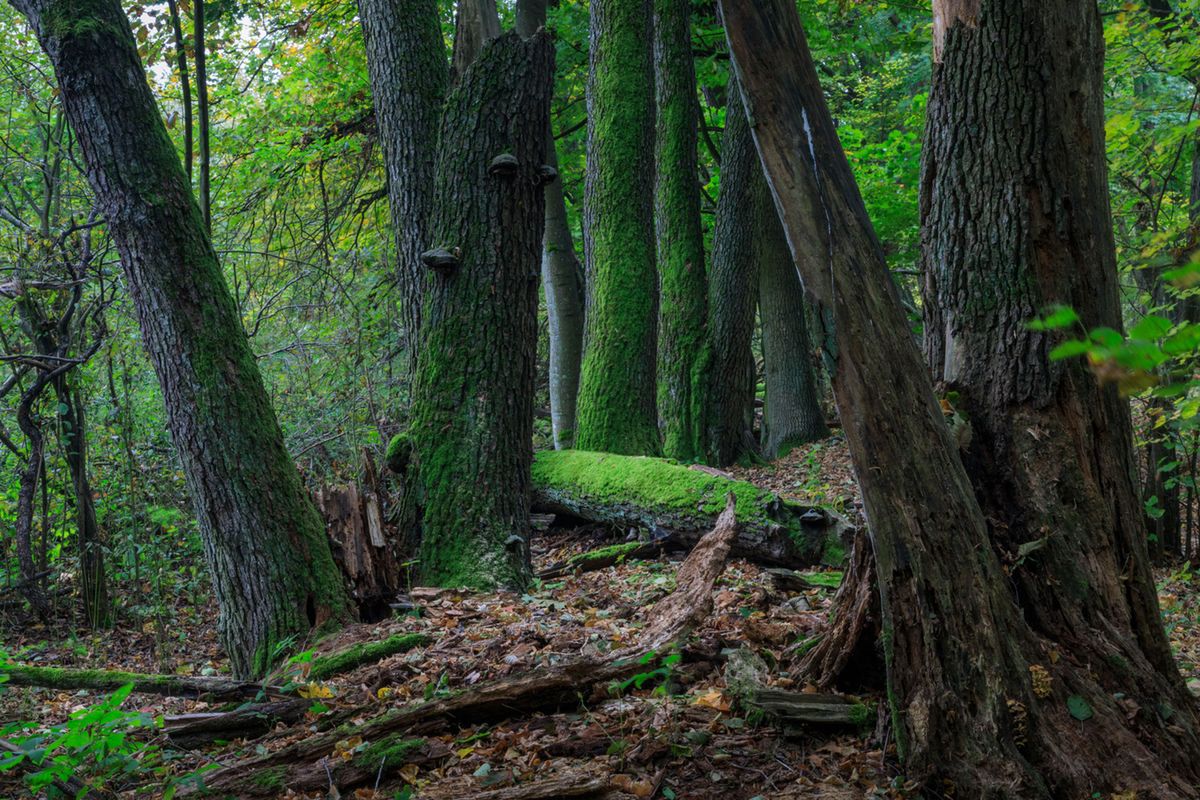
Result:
{"points": [[472, 425], [562, 276], [406, 58], [1015, 217], [793, 413], [476, 22], [952, 664], [616, 408], [264, 541], [733, 291], [682, 337], [679, 505]]}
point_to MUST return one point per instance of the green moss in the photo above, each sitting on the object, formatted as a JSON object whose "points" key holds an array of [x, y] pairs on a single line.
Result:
{"points": [[271, 778], [862, 714], [366, 653], [67, 19], [389, 753], [399, 451], [834, 554], [831, 580], [617, 551], [617, 404]]}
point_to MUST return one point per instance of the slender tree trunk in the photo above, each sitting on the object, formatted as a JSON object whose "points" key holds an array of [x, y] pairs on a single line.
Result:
{"points": [[406, 59], [616, 407], [476, 22], [983, 695], [562, 276], [733, 291], [472, 424], [682, 340], [185, 84], [265, 542], [793, 414], [205, 188], [26, 494], [93, 581]]}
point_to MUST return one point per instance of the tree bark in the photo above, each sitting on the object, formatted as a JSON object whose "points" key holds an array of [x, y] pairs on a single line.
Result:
{"points": [[733, 290], [616, 408], [562, 276], [1015, 217], [682, 341], [951, 637], [476, 23], [472, 425], [406, 59], [793, 413], [264, 541]]}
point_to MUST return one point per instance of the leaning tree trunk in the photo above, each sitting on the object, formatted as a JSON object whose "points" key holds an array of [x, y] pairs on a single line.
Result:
{"points": [[406, 59], [616, 411], [265, 543], [682, 339], [979, 699], [1015, 145], [562, 276], [472, 426], [793, 414], [733, 291]]}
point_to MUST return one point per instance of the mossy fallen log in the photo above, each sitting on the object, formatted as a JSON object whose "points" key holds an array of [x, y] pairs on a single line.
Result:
{"points": [[248, 722], [681, 504], [207, 688], [324, 667], [602, 558]]}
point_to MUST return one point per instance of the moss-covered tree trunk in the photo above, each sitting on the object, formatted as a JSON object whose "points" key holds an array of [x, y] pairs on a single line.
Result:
{"points": [[1015, 144], [406, 59], [682, 339], [793, 413], [264, 541], [616, 408], [562, 277], [472, 424], [733, 291]]}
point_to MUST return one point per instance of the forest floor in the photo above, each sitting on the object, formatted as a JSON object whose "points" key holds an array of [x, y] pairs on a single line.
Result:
{"points": [[680, 735]]}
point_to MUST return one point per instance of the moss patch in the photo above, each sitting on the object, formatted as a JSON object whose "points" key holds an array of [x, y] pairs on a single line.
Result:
{"points": [[366, 653], [388, 753]]}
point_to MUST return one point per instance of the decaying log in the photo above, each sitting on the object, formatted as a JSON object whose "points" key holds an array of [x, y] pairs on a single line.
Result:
{"points": [[310, 764], [204, 688], [682, 504], [249, 722], [327, 666], [745, 681], [604, 557]]}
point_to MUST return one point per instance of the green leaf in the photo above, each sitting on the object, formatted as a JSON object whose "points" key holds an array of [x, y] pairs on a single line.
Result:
{"points": [[1150, 327], [1107, 337], [1080, 709], [1068, 349], [1057, 317]]}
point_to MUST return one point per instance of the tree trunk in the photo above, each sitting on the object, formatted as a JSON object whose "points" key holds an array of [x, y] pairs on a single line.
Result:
{"points": [[616, 410], [1021, 156], [205, 188], [185, 84], [793, 414], [406, 59], [264, 541], [472, 423], [26, 493], [562, 276], [476, 22], [682, 351], [733, 291], [964, 705], [93, 584]]}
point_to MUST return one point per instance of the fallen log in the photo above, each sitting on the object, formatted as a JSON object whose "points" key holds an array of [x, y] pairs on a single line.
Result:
{"points": [[316, 762], [200, 688], [325, 667], [682, 504], [603, 558], [745, 680], [188, 731]]}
